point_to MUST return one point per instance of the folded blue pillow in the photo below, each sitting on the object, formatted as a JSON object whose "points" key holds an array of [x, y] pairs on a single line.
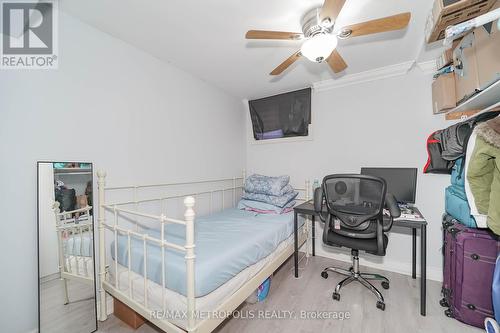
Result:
{"points": [[268, 185], [264, 207], [279, 201]]}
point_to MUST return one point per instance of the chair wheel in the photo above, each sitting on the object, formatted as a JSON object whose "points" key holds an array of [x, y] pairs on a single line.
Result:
{"points": [[491, 326], [336, 296], [448, 313], [385, 284], [381, 305], [444, 303], [324, 275]]}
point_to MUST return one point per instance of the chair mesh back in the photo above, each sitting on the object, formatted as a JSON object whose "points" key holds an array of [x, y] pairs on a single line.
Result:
{"points": [[354, 199]]}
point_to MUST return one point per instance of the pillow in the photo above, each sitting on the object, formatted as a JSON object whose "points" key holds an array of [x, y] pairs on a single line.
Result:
{"points": [[267, 185], [262, 207], [279, 201]]}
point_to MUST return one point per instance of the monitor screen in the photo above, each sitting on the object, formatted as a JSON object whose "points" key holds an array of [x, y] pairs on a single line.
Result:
{"points": [[401, 182]]}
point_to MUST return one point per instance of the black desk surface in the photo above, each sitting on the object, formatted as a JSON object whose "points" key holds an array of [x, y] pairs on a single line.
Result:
{"points": [[307, 208]]}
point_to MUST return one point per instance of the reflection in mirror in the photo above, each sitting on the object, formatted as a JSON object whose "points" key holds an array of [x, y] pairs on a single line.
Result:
{"points": [[67, 301]]}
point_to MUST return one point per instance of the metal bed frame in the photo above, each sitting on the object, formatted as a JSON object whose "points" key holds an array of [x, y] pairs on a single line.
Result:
{"points": [[67, 225], [142, 307]]}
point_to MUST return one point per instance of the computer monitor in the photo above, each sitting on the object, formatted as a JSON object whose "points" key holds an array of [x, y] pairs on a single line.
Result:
{"points": [[401, 182]]}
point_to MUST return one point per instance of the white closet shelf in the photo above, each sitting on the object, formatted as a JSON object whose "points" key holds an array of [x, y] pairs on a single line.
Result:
{"points": [[72, 171], [480, 102]]}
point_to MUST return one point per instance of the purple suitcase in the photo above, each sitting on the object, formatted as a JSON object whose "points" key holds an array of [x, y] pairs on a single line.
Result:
{"points": [[469, 263]]}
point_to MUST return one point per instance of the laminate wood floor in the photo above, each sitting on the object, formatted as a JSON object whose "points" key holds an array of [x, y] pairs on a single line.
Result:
{"points": [[313, 293], [78, 316]]}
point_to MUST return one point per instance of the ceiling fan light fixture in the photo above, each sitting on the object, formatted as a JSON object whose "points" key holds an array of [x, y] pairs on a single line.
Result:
{"points": [[326, 23], [319, 47]]}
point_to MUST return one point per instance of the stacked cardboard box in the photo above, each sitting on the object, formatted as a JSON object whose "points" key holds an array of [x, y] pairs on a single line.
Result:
{"points": [[476, 65], [451, 12], [477, 61], [443, 93]]}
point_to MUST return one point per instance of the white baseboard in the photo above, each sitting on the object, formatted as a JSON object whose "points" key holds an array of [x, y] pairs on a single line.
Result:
{"points": [[433, 273], [50, 277]]}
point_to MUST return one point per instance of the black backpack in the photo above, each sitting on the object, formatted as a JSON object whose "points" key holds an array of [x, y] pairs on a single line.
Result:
{"points": [[445, 146], [454, 139], [66, 198], [435, 162]]}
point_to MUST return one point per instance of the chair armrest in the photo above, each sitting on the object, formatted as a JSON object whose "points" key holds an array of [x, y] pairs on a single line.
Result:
{"points": [[392, 205], [318, 204], [318, 199]]}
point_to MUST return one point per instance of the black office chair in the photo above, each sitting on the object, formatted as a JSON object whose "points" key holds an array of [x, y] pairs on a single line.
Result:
{"points": [[354, 218]]}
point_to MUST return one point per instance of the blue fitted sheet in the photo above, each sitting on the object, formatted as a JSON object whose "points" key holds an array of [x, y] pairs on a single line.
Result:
{"points": [[226, 243]]}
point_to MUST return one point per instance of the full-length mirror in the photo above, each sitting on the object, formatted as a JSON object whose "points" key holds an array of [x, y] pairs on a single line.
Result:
{"points": [[67, 301]]}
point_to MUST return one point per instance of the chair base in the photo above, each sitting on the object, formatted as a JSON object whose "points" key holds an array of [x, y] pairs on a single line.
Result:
{"points": [[353, 274]]}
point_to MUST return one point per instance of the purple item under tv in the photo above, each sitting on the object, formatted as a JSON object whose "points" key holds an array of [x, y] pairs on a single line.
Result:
{"points": [[276, 134], [469, 262]]}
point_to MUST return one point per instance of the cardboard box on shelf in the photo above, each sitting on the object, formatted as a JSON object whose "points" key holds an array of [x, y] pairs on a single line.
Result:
{"points": [[443, 93], [488, 54], [451, 12], [447, 57], [477, 61]]}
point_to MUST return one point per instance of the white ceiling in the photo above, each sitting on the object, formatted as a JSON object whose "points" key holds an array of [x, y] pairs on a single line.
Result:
{"points": [[206, 37]]}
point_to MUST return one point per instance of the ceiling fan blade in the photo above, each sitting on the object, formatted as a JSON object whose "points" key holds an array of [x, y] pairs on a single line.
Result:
{"points": [[264, 34], [285, 64], [336, 62], [389, 23], [331, 9]]}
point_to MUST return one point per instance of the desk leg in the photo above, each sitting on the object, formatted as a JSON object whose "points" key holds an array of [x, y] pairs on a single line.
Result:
{"points": [[296, 245], [414, 253], [313, 235], [423, 268]]}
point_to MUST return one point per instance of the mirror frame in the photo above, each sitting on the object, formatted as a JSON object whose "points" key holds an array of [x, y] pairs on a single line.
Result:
{"points": [[38, 239]]}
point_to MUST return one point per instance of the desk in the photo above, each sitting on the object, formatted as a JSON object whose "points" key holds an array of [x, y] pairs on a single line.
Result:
{"points": [[307, 208]]}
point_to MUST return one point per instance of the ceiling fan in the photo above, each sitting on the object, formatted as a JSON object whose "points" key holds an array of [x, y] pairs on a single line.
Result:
{"points": [[320, 34]]}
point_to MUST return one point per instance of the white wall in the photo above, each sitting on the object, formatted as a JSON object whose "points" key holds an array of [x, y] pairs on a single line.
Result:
{"points": [[379, 123], [140, 119]]}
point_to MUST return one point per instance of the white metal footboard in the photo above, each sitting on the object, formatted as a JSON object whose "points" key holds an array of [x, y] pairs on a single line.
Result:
{"points": [[118, 229], [75, 245]]}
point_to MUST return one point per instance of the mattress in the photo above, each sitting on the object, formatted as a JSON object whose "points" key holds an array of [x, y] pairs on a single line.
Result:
{"points": [[79, 245], [175, 302], [226, 243]]}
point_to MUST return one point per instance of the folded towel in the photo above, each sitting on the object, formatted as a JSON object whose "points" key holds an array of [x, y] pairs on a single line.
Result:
{"points": [[279, 201], [268, 185], [260, 211]]}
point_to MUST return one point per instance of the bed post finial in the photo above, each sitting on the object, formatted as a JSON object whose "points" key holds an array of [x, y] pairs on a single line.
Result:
{"points": [[190, 256], [101, 183], [56, 207]]}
